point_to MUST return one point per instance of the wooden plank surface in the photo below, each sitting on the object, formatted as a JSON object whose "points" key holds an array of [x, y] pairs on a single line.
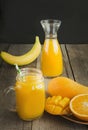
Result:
{"points": [[78, 57], [75, 59]]}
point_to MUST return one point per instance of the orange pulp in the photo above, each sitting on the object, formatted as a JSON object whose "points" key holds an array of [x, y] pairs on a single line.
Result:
{"points": [[79, 106], [51, 58], [30, 98]]}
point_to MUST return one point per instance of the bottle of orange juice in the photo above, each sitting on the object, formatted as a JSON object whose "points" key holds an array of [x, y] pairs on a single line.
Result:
{"points": [[51, 57]]}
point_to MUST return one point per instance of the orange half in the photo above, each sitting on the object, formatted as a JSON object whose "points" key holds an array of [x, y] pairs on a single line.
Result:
{"points": [[79, 106]]}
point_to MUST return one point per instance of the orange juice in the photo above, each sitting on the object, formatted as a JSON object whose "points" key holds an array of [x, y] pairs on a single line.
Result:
{"points": [[51, 58], [30, 96]]}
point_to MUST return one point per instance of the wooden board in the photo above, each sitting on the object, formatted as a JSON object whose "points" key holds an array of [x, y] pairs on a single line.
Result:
{"points": [[75, 58]]}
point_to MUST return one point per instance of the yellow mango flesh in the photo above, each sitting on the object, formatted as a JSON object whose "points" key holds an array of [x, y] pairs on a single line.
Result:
{"points": [[57, 105]]}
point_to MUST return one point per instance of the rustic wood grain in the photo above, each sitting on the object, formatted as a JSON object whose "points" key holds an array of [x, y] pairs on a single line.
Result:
{"points": [[67, 68], [78, 57], [75, 58]]}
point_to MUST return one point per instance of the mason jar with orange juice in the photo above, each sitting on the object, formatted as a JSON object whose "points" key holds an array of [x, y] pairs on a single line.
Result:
{"points": [[51, 57], [29, 94]]}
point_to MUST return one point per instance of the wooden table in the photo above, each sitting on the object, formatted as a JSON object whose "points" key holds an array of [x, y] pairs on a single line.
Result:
{"points": [[75, 58]]}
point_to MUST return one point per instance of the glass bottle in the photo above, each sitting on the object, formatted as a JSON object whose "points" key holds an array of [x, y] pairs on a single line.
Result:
{"points": [[51, 57]]}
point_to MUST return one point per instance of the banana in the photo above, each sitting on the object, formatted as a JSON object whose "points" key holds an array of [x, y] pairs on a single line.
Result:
{"points": [[24, 59]]}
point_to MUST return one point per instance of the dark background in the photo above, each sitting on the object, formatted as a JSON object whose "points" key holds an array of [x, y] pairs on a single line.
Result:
{"points": [[20, 20]]}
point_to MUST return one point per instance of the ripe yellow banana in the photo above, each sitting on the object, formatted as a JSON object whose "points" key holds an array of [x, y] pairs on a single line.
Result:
{"points": [[26, 58]]}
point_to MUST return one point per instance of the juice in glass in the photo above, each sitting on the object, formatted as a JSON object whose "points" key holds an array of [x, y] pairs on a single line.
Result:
{"points": [[30, 94], [51, 58]]}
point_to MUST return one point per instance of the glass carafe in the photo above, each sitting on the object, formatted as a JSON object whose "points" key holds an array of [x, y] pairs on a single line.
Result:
{"points": [[51, 57]]}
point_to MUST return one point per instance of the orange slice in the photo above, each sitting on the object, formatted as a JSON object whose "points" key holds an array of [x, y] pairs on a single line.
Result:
{"points": [[79, 106]]}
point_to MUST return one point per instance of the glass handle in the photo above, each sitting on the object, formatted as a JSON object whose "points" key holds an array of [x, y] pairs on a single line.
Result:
{"points": [[10, 99]]}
